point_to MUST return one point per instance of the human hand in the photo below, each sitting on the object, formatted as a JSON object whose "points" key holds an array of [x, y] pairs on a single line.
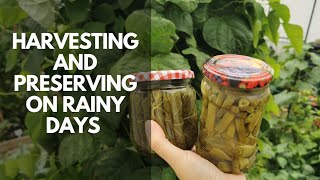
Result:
{"points": [[187, 164]]}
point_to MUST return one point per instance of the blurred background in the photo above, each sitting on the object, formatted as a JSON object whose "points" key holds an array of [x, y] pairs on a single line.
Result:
{"points": [[284, 33]]}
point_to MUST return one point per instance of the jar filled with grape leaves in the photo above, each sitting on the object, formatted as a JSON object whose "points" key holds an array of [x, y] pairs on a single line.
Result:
{"points": [[168, 98], [235, 91]]}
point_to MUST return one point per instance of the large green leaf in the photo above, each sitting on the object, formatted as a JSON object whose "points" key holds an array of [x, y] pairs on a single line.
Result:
{"points": [[95, 27], [295, 35], [201, 57], [34, 61], [315, 58], [77, 10], [274, 24], [41, 11], [282, 10], [228, 34], [181, 19], [35, 125], [168, 174], [152, 172], [200, 15], [11, 15], [104, 13], [131, 62], [27, 164], [284, 97], [187, 5], [171, 61], [163, 35], [156, 34], [117, 164], [12, 58], [76, 148], [11, 168]]}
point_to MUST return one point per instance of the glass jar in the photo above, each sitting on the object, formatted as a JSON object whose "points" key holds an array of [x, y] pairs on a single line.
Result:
{"points": [[167, 98], [235, 92]]}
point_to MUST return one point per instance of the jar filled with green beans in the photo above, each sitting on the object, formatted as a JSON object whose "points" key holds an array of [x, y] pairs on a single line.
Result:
{"points": [[235, 91], [167, 98]]}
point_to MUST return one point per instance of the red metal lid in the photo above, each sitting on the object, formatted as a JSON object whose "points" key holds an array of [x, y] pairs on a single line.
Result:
{"points": [[163, 75], [238, 71]]}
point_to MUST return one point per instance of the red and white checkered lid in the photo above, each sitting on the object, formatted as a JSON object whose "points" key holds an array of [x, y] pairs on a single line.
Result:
{"points": [[163, 75]]}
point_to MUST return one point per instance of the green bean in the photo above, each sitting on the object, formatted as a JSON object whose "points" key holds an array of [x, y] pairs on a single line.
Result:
{"points": [[212, 98], [235, 109], [241, 131], [252, 139], [241, 115], [230, 132], [204, 89], [220, 99], [243, 162], [225, 121], [228, 101], [211, 116], [256, 120], [221, 112], [256, 129], [225, 166], [249, 118], [251, 160], [243, 103], [246, 150], [220, 155], [204, 110], [236, 166]]}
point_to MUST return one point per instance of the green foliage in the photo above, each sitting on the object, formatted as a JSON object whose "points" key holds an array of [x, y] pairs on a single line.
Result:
{"points": [[173, 34], [228, 34]]}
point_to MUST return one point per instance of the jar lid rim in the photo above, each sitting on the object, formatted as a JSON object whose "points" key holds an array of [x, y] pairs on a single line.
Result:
{"points": [[163, 75], [238, 71]]}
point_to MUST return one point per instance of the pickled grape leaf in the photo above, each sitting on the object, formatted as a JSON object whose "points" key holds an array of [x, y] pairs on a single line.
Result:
{"points": [[41, 11], [76, 148], [228, 34], [171, 61], [181, 19]]}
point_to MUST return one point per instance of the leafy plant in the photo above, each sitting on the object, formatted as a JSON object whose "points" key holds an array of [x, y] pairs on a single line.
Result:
{"points": [[173, 34]]}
